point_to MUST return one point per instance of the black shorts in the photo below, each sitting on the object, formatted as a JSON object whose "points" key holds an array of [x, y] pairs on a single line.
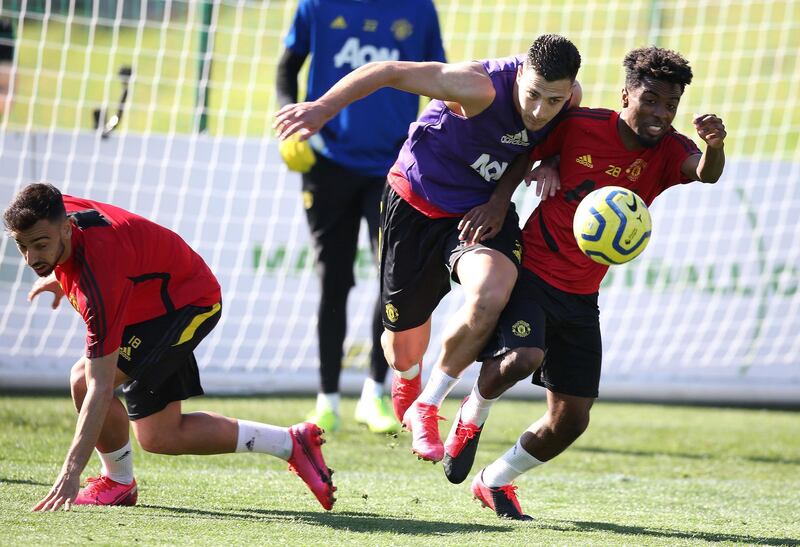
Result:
{"points": [[418, 256], [335, 200], [158, 356], [565, 325]]}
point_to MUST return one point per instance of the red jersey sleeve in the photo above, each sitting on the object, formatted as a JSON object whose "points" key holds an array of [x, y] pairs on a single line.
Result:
{"points": [[678, 148], [105, 293]]}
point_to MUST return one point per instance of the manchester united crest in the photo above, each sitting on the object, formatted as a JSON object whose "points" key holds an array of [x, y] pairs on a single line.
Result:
{"points": [[635, 170], [402, 29], [74, 301], [391, 313], [521, 328]]}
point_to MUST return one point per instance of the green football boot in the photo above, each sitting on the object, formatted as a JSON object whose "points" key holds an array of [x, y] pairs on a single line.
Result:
{"points": [[326, 419], [375, 414]]}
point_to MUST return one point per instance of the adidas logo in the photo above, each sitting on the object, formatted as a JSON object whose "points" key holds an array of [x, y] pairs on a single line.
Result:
{"points": [[125, 352], [339, 23], [586, 160], [518, 139]]}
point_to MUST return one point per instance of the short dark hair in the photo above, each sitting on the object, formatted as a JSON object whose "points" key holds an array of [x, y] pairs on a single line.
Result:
{"points": [[658, 64], [33, 203], [554, 58]]}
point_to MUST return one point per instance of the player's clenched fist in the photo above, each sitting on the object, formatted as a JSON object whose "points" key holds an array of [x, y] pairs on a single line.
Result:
{"points": [[711, 129]]}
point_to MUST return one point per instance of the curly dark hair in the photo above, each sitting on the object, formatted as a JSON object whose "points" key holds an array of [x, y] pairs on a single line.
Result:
{"points": [[33, 203], [658, 64], [554, 57]]}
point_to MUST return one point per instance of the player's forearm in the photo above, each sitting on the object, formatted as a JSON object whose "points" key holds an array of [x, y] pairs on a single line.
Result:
{"points": [[100, 390], [363, 81], [421, 78], [711, 164], [508, 183], [286, 85]]}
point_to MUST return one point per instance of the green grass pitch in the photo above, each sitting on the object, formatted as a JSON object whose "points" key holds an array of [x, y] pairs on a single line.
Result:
{"points": [[641, 475]]}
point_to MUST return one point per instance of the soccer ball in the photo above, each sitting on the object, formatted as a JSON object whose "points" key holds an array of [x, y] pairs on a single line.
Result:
{"points": [[612, 225]]}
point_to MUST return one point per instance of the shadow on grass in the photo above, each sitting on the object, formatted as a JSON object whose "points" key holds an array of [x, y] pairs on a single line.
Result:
{"points": [[353, 521], [650, 454], [588, 526], [4, 480]]}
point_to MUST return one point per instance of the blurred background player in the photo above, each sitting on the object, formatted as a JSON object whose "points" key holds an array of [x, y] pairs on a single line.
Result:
{"points": [[485, 116], [344, 167], [148, 300], [554, 307], [6, 65]]}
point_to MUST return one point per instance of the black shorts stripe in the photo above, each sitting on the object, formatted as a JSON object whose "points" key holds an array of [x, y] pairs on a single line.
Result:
{"points": [[162, 372], [181, 319]]}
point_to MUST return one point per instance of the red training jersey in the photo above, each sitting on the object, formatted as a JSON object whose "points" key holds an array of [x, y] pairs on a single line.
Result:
{"points": [[592, 156], [125, 269]]}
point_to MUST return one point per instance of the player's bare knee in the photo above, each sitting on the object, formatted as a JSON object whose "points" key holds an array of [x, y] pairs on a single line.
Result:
{"points": [[157, 442], [489, 302], [568, 426], [166, 431], [401, 359], [401, 355], [520, 363]]}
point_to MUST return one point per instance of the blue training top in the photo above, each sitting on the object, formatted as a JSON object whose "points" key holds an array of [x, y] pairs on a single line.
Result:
{"points": [[342, 35]]}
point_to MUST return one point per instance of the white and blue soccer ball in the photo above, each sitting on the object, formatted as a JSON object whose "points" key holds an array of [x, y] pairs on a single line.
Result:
{"points": [[612, 225]]}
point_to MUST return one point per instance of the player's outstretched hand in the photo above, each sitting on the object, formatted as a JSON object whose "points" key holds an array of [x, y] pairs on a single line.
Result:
{"points": [[305, 119], [548, 181], [47, 284], [482, 222], [63, 493], [711, 129]]}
